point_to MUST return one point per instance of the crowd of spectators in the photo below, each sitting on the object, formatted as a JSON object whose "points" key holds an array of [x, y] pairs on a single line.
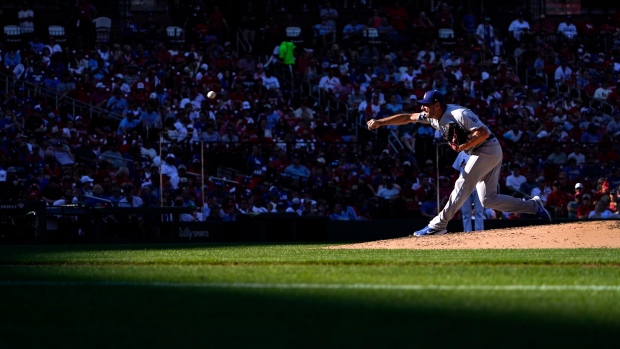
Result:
{"points": [[550, 94]]}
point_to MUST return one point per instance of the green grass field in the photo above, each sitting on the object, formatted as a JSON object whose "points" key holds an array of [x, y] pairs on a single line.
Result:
{"points": [[304, 296]]}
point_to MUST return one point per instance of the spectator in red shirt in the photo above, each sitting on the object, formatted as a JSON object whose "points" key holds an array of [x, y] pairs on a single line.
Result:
{"points": [[444, 19], [543, 28], [613, 202], [163, 54], [604, 191], [583, 211], [591, 87], [614, 97], [100, 96], [140, 95], [398, 16], [609, 28], [557, 201], [422, 28], [586, 28]]}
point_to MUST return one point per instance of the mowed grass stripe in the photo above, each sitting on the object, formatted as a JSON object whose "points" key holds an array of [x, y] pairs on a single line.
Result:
{"points": [[535, 288], [324, 274], [302, 254]]}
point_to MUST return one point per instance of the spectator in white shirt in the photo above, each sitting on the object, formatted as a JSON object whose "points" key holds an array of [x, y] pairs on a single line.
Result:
{"points": [[514, 134], [329, 13], [567, 29], [603, 91], [579, 157], [329, 82], [601, 210], [450, 61], [485, 33], [563, 73], [53, 46], [389, 191], [456, 72], [168, 167], [514, 181], [369, 110], [423, 53], [518, 27], [295, 207], [613, 127], [129, 200], [408, 77], [541, 190], [270, 81]]}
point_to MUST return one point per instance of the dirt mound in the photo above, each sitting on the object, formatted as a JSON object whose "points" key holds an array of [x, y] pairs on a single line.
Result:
{"points": [[587, 234]]}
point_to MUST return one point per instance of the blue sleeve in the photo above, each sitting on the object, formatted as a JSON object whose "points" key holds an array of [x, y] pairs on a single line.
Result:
{"points": [[351, 213]]}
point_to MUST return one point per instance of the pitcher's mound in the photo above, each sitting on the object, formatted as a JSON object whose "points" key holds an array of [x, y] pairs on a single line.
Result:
{"points": [[587, 234]]}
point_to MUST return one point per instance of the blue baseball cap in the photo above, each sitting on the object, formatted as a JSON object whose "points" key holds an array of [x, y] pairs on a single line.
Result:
{"points": [[431, 97]]}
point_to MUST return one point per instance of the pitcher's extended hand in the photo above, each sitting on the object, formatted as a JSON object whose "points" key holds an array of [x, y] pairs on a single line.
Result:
{"points": [[372, 124]]}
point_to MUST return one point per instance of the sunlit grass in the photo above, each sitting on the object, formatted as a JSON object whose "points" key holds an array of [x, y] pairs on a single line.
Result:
{"points": [[174, 296]]}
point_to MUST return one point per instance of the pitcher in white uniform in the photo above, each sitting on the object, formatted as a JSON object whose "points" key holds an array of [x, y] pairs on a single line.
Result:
{"points": [[481, 173], [471, 200]]}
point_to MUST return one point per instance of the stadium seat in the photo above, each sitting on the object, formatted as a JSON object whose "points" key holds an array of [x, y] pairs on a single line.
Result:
{"points": [[12, 34], [294, 34], [563, 89], [103, 27], [372, 35], [446, 37], [607, 108], [175, 35], [57, 32]]}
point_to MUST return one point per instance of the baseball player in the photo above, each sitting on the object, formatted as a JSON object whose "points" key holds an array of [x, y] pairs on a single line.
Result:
{"points": [[481, 173], [472, 199]]}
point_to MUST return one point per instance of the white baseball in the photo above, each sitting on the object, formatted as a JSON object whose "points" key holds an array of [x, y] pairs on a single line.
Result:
{"points": [[211, 94]]}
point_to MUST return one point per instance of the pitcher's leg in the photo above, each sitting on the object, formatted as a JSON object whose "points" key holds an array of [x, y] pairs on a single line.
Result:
{"points": [[466, 213], [488, 191], [462, 189], [478, 211]]}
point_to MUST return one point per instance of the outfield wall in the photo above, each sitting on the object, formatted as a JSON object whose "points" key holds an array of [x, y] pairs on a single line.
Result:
{"points": [[33, 223], [292, 228]]}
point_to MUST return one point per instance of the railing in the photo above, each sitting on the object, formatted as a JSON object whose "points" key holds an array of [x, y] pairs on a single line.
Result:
{"points": [[243, 42], [338, 106], [77, 107], [396, 144], [313, 91], [280, 72]]}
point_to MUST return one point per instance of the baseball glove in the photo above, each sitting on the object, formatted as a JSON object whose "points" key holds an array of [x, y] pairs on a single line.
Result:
{"points": [[456, 135]]}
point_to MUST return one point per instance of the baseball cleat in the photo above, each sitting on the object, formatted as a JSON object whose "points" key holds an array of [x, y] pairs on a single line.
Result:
{"points": [[542, 212], [429, 231]]}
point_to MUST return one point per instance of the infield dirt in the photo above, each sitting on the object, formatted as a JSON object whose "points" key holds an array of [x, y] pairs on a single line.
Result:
{"points": [[587, 234]]}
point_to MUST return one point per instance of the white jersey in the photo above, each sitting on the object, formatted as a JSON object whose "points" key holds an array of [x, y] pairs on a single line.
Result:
{"points": [[480, 172], [464, 117]]}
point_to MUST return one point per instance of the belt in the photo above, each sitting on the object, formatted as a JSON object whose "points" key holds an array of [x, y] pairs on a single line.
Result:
{"points": [[471, 150]]}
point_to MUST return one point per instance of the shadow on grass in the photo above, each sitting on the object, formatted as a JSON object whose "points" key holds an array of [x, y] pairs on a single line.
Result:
{"points": [[286, 253], [130, 317]]}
